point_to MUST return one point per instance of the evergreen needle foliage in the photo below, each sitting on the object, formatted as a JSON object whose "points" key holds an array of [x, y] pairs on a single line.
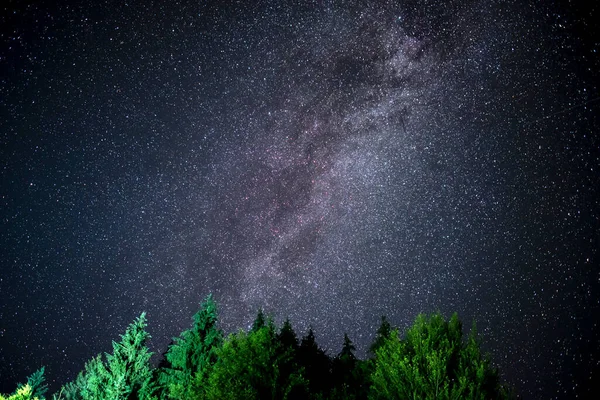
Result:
{"points": [[431, 361], [192, 355]]}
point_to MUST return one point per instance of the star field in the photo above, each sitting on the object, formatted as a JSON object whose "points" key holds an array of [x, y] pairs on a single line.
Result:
{"points": [[328, 161]]}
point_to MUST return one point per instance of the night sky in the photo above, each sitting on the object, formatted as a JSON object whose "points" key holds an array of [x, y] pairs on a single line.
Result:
{"points": [[330, 161]]}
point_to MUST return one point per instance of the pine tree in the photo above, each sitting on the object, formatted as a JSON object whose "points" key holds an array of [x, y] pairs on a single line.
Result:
{"points": [[251, 366], [383, 333], [433, 362], [244, 368], [350, 375], [287, 337], [290, 372], [24, 392], [34, 389], [192, 354], [315, 364], [259, 321], [93, 380], [37, 382], [128, 367], [126, 374]]}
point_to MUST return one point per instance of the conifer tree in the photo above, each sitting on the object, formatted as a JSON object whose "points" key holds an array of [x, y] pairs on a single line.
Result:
{"points": [[259, 321], [23, 392], [128, 367], [34, 389], [433, 362], [286, 353], [126, 374], [37, 383], [249, 367], [244, 368], [92, 382], [287, 337], [350, 375], [192, 354], [383, 333], [316, 365]]}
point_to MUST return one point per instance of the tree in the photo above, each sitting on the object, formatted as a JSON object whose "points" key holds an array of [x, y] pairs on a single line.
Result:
{"points": [[249, 366], [383, 333], [286, 357], [259, 321], [125, 374], [192, 354], [315, 364], [287, 337], [34, 389], [128, 367], [24, 392], [37, 383], [432, 362], [350, 375], [244, 369]]}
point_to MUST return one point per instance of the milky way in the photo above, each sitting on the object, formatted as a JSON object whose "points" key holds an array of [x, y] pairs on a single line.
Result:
{"points": [[331, 162]]}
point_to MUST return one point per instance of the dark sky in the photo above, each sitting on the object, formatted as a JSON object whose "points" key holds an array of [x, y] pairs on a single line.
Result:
{"points": [[331, 161]]}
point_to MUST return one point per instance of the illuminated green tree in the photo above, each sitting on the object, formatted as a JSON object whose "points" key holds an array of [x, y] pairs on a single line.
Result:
{"points": [[191, 355], [251, 366], [433, 362], [22, 393], [125, 374], [34, 389], [383, 333]]}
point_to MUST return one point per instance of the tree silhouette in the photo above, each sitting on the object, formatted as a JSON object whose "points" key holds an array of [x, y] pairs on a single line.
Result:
{"points": [[316, 365]]}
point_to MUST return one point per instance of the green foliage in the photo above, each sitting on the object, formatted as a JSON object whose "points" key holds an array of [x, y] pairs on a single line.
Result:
{"points": [[128, 368], [190, 357], [34, 389], [286, 354], [383, 333], [24, 392], [252, 366], [432, 362], [37, 382], [126, 374], [259, 321], [72, 390], [244, 368]]}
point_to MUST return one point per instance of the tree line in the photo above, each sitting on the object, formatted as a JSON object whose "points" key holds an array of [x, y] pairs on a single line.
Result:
{"points": [[432, 360]]}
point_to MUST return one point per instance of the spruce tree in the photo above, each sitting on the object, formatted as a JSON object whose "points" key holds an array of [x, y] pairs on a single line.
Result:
{"points": [[315, 364], [350, 375], [383, 333], [290, 372], [191, 355], [93, 380], [433, 362], [23, 392], [287, 337], [34, 389], [251, 366], [128, 367], [37, 382], [259, 321], [125, 374], [244, 367]]}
